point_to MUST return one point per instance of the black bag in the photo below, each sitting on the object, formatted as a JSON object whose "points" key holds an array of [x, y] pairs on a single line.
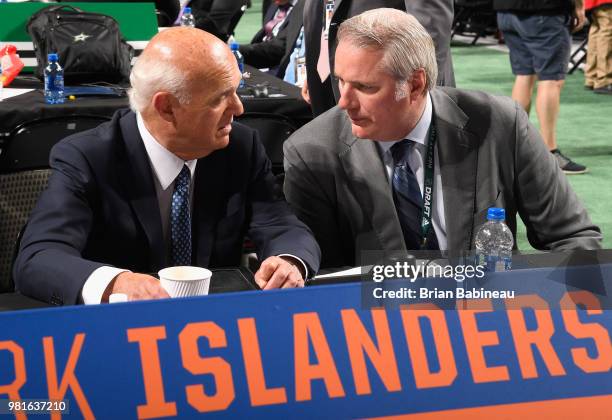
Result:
{"points": [[89, 45]]}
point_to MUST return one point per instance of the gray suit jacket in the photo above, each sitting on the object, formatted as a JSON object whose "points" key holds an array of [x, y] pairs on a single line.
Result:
{"points": [[490, 155], [435, 15]]}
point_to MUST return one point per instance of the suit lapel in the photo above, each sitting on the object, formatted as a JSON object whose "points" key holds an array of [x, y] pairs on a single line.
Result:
{"points": [[136, 170], [457, 151], [368, 180], [337, 5], [208, 196]]}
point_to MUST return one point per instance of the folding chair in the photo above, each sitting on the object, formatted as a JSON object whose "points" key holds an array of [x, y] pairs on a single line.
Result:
{"points": [[475, 18], [273, 131], [24, 172], [578, 57]]}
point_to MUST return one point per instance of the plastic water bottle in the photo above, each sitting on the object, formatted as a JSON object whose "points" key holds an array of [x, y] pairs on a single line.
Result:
{"points": [[234, 46], [54, 81], [187, 18], [494, 242]]}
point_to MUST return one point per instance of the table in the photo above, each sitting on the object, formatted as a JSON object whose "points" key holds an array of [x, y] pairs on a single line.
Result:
{"points": [[224, 280], [285, 99], [317, 352]]}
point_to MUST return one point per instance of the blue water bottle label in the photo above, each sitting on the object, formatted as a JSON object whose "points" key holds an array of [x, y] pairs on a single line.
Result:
{"points": [[494, 263], [54, 82]]}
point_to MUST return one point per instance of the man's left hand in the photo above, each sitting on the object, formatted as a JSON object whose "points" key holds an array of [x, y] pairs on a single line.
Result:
{"points": [[279, 272]]}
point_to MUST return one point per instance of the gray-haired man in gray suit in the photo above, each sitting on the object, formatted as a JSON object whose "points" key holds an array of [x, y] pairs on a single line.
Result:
{"points": [[341, 168]]}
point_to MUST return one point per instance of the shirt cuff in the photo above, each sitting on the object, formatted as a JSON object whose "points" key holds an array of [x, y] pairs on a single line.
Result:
{"points": [[304, 266], [97, 282]]}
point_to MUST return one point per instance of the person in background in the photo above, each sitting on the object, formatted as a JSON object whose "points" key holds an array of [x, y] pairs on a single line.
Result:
{"points": [[538, 37], [322, 19], [277, 54], [400, 164], [598, 69], [172, 182], [219, 17], [274, 20]]}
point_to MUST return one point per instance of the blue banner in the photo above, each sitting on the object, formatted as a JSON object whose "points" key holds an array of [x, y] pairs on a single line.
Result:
{"points": [[309, 352]]}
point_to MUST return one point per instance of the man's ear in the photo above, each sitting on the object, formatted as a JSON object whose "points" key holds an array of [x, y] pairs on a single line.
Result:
{"points": [[417, 85], [165, 105]]}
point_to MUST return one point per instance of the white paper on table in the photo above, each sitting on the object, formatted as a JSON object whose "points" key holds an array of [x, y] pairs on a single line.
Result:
{"points": [[350, 272], [11, 92]]}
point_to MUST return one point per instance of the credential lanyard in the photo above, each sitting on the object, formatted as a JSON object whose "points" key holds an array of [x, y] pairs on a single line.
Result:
{"points": [[428, 185]]}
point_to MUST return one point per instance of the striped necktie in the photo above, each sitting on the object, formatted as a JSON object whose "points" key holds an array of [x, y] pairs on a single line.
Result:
{"points": [[408, 198]]}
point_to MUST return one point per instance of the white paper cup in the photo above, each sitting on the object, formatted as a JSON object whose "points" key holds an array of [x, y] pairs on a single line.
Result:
{"points": [[184, 281], [117, 298]]}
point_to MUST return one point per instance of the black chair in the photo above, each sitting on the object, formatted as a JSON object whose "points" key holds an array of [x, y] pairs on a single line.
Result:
{"points": [[578, 57], [273, 131], [474, 18], [24, 172]]}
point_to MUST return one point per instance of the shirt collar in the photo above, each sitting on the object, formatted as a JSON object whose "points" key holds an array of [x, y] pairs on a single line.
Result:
{"points": [[165, 164], [419, 132]]}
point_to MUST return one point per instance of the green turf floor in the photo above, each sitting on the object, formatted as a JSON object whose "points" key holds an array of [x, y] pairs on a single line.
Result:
{"points": [[583, 130]]}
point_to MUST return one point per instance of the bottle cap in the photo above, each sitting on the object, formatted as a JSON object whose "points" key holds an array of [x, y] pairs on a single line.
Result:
{"points": [[117, 297], [496, 213], [52, 57], [186, 10], [234, 46]]}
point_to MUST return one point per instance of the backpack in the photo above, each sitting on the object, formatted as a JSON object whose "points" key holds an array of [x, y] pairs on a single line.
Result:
{"points": [[89, 45]]}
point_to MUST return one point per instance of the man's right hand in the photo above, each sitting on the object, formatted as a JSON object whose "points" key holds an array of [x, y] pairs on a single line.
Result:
{"points": [[136, 286]]}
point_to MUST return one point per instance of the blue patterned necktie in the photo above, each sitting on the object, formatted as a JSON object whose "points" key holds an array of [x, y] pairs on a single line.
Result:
{"points": [[408, 198], [180, 219]]}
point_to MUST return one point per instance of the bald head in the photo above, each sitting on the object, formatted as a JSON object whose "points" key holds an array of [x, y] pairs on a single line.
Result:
{"points": [[173, 60]]}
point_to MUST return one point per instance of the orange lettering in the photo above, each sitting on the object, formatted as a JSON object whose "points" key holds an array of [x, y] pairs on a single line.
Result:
{"points": [[305, 326], [476, 340], [592, 330], [540, 337], [12, 389], [256, 380], [359, 342], [156, 404], [423, 376], [69, 379], [197, 365]]}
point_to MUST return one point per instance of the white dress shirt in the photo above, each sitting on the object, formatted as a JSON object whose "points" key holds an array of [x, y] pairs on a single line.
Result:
{"points": [[420, 135], [278, 25], [165, 166]]}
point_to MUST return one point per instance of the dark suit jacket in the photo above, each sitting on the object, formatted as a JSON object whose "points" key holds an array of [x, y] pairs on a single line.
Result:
{"points": [[100, 208], [277, 51], [489, 156], [215, 16], [435, 15]]}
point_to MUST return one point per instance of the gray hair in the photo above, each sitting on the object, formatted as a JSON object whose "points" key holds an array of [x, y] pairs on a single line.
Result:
{"points": [[151, 75], [406, 44]]}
